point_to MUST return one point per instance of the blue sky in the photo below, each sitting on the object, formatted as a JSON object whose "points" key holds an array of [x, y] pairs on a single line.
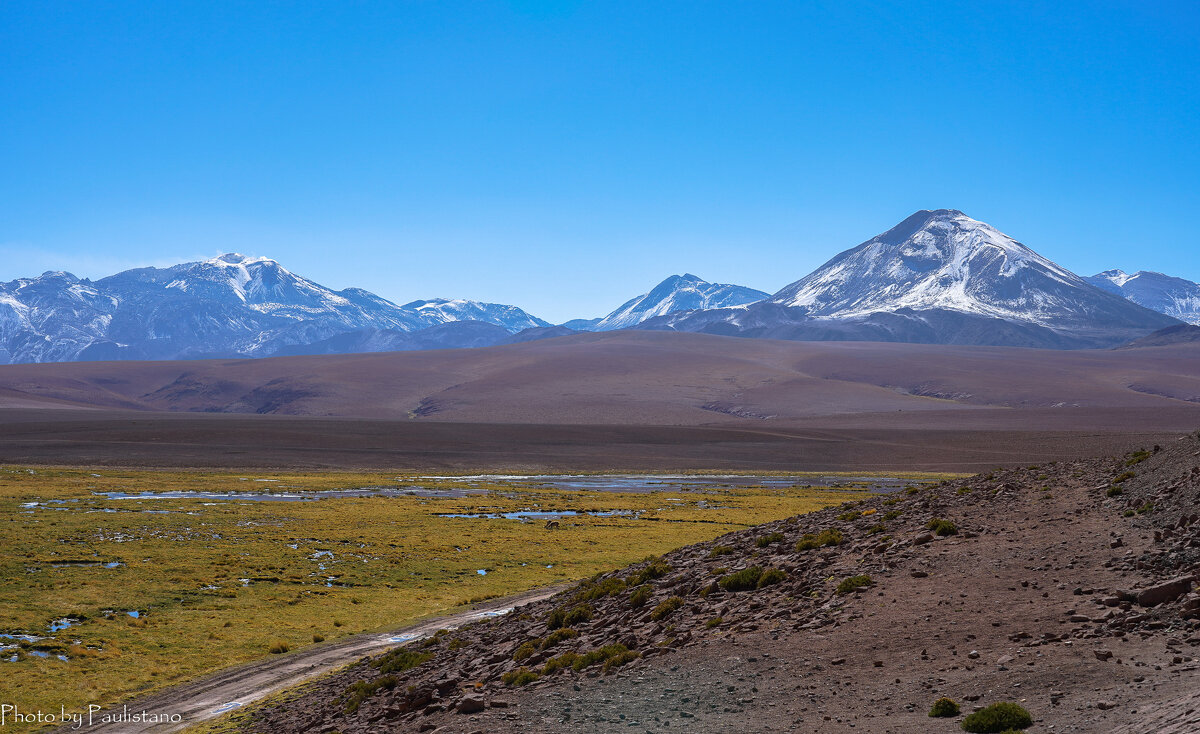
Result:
{"points": [[566, 156]]}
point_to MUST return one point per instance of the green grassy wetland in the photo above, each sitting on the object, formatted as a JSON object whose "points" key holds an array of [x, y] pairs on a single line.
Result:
{"points": [[103, 597]]}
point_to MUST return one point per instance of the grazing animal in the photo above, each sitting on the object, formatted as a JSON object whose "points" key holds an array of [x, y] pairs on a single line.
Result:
{"points": [[552, 524]]}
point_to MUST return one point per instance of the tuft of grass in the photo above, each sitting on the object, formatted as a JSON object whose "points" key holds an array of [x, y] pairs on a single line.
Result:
{"points": [[720, 550], [640, 596], [743, 580], [595, 589], [560, 662], [278, 647], [942, 527], [402, 659], [526, 649], [655, 569], [563, 617], [763, 541], [519, 677], [714, 622], [557, 636], [944, 707], [317, 637], [769, 577], [666, 608], [361, 690], [827, 537], [1138, 457], [853, 583], [998, 717]]}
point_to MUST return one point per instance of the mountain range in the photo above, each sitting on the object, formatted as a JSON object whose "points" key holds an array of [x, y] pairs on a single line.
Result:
{"points": [[1163, 293], [937, 277]]}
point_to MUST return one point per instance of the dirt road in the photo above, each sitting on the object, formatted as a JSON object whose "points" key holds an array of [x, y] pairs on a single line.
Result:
{"points": [[231, 689]]}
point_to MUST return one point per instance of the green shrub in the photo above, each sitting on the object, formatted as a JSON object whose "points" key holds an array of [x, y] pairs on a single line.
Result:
{"points": [[566, 660], [891, 515], [599, 655], [853, 583], [655, 569], [666, 608], [997, 718], [563, 617], [1137, 457], [640, 596], [1123, 476], [1148, 507], [720, 550], [557, 636], [770, 576], [743, 580], [592, 589], [849, 516], [360, 691], [764, 540], [1113, 491], [519, 677], [942, 527], [827, 537], [713, 622], [944, 707], [1128, 513], [877, 529], [911, 490], [526, 650], [401, 659], [620, 659]]}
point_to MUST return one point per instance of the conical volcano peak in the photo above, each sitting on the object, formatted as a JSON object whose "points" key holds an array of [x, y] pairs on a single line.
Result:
{"points": [[943, 259]]}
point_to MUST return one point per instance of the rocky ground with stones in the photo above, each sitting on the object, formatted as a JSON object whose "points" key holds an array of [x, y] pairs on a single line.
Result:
{"points": [[1067, 588]]}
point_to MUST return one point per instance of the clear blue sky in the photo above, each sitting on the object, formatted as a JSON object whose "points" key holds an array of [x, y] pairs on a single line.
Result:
{"points": [[566, 156]]}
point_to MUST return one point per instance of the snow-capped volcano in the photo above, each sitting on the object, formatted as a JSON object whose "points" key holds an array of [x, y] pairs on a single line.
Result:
{"points": [[939, 276], [677, 293], [1163, 293], [943, 259]]}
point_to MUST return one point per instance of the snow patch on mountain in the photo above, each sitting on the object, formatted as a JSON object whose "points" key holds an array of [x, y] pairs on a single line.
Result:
{"points": [[1157, 291], [677, 293], [435, 311]]}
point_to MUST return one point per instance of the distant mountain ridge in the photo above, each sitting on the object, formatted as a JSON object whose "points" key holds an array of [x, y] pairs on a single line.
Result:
{"points": [[1163, 293], [226, 306], [937, 277]]}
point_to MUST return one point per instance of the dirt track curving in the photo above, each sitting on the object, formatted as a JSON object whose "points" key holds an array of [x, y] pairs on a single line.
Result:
{"points": [[231, 689]]}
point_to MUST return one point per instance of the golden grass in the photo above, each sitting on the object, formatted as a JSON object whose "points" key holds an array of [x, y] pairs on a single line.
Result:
{"points": [[218, 583]]}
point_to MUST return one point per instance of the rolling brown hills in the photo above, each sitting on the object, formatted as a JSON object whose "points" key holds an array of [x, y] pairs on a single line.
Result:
{"points": [[645, 400]]}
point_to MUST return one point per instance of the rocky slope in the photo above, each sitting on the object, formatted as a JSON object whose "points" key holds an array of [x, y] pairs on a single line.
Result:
{"points": [[1067, 588]]}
